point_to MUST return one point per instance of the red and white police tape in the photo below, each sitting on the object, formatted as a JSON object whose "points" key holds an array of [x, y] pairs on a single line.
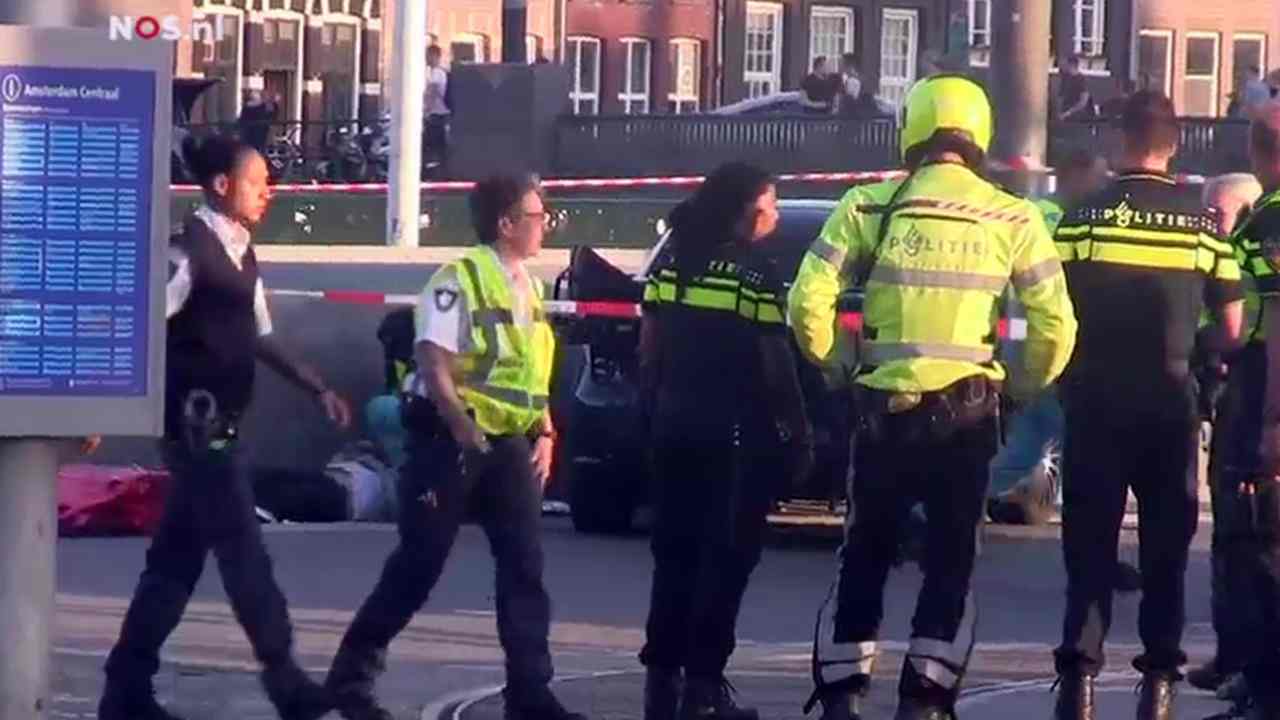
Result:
{"points": [[605, 183], [1007, 328]]}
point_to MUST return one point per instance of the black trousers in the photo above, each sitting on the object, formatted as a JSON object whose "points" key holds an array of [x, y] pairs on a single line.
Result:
{"points": [[438, 489], [1246, 533], [1151, 446], [891, 474], [711, 504], [210, 507]]}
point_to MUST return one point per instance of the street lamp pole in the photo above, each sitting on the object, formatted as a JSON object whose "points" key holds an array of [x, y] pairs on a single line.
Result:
{"points": [[1020, 78]]}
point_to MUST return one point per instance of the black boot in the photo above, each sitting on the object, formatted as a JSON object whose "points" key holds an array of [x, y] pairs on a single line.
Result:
{"points": [[661, 693], [920, 698], [1156, 700], [842, 705], [138, 704], [351, 680], [712, 699], [295, 695], [1075, 697], [1208, 677], [540, 705]]}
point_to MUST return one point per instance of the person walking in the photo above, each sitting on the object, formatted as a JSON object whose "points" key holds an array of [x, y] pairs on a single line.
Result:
{"points": [[219, 326], [480, 437], [935, 252], [726, 429], [1142, 259]]}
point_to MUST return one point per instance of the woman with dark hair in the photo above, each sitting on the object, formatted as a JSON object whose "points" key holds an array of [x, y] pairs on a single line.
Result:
{"points": [[726, 418], [219, 327]]}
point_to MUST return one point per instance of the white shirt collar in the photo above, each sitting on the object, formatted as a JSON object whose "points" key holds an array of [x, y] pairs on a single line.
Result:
{"points": [[234, 236]]}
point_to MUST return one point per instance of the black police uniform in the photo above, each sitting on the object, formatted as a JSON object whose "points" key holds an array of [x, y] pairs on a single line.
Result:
{"points": [[1246, 530], [1142, 262], [727, 421], [210, 374]]}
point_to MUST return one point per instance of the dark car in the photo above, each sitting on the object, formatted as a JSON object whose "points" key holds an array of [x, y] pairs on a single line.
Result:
{"points": [[603, 463]]}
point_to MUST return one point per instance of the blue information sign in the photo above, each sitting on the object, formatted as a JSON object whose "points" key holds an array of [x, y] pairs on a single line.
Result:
{"points": [[75, 230]]}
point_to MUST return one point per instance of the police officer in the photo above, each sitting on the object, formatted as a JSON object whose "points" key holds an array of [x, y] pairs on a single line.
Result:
{"points": [[936, 251], [1249, 434], [219, 326], [480, 438], [725, 426], [1142, 260], [1234, 610]]}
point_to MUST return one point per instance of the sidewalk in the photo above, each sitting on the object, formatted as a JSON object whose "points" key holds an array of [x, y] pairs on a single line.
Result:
{"points": [[781, 696]]}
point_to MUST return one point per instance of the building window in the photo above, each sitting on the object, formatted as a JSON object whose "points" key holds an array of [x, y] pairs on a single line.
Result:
{"points": [[584, 58], [685, 59], [899, 48], [635, 80], [979, 23], [1091, 27], [1155, 60], [468, 49], [532, 48], [220, 58], [762, 70], [830, 34], [1200, 81], [1248, 51]]}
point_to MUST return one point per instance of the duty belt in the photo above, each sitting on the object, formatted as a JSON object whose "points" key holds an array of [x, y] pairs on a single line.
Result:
{"points": [[940, 413], [204, 426]]}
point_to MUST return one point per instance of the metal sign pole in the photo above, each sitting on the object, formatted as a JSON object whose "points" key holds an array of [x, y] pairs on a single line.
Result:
{"points": [[409, 63], [28, 537]]}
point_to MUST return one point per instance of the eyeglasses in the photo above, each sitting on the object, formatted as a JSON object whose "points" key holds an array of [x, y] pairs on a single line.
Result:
{"points": [[545, 216]]}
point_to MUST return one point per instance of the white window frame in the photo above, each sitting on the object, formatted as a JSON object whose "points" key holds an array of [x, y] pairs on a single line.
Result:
{"points": [[1089, 41], [300, 79], [1215, 78], [629, 98], [675, 95], [973, 17], [1261, 39], [573, 54], [478, 42], [531, 43], [832, 12], [202, 13], [913, 54], [773, 78], [1167, 36], [357, 25]]}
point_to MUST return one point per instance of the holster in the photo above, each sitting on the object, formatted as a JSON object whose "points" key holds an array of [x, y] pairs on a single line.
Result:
{"points": [[932, 416], [419, 417], [205, 426]]}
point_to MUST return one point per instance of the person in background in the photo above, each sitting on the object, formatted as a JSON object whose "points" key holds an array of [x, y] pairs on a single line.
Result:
{"points": [[819, 88], [726, 427], [1074, 99], [435, 108], [480, 437], [850, 85], [1022, 489], [1255, 93], [1234, 613], [219, 329], [255, 120], [1113, 107]]}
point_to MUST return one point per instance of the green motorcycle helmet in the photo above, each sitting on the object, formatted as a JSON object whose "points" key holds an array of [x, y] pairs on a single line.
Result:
{"points": [[946, 102]]}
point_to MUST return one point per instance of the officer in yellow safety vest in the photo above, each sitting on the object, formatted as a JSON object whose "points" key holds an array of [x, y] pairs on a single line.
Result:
{"points": [[480, 436], [936, 251]]}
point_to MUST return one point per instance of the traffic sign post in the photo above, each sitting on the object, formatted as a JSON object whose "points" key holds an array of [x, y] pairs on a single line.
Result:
{"points": [[84, 156]]}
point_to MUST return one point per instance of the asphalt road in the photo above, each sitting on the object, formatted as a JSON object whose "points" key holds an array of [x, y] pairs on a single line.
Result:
{"points": [[599, 587]]}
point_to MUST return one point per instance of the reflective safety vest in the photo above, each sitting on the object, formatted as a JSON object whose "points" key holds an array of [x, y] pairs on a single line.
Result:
{"points": [[506, 376], [1252, 256], [937, 251], [1052, 212]]}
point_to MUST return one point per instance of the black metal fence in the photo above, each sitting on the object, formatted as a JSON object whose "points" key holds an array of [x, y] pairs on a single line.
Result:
{"points": [[663, 145]]}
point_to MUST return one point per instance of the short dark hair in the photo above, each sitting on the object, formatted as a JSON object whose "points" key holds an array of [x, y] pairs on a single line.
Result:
{"points": [[498, 197], [213, 156], [1149, 121], [820, 60], [435, 50]]}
